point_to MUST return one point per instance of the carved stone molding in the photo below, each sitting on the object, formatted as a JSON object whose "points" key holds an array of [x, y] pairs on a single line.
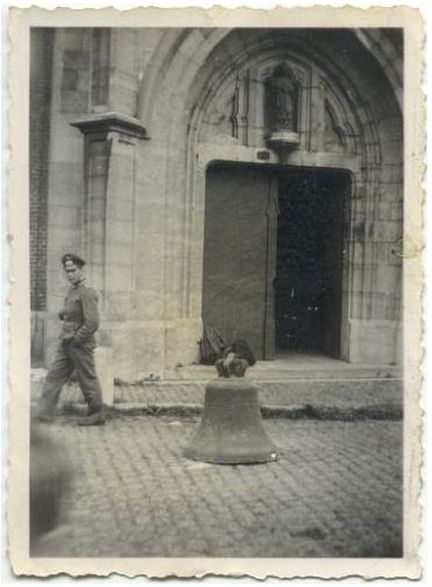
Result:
{"points": [[284, 139], [111, 122]]}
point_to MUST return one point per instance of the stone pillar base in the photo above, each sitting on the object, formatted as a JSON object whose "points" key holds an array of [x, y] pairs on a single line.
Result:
{"points": [[105, 371], [374, 342]]}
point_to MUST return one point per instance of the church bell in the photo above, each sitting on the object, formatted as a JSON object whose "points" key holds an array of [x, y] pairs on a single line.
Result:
{"points": [[231, 429]]}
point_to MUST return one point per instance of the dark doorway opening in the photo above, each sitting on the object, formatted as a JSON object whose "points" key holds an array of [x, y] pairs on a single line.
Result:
{"points": [[308, 283]]}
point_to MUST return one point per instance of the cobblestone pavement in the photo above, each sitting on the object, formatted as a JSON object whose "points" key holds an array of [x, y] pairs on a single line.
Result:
{"points": [[334, 492]]}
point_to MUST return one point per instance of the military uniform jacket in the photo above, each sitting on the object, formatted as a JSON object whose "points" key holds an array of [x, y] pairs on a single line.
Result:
{"points": [[80, 315]]}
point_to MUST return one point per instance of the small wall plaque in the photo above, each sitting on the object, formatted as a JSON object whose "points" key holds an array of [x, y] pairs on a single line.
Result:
{"points": [[263, 155]]}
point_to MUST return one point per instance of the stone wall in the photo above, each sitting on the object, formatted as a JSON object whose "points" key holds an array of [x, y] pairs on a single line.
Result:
{"points": [[40, 100], [133, 202], [69, 97]]}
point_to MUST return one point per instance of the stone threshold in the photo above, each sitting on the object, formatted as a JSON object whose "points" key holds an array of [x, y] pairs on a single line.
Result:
{"points": [[288, 378]]}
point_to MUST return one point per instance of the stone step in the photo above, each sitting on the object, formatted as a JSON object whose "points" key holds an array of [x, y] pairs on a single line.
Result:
{"points": [[386, 411], [285, 370], [336, 393], [288, 392]]}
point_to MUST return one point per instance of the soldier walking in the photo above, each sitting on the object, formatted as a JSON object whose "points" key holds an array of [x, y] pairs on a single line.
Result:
{"points": [[80, 321]]}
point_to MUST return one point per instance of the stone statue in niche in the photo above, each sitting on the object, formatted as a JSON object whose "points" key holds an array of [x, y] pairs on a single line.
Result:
{"points": [[281, 100]]}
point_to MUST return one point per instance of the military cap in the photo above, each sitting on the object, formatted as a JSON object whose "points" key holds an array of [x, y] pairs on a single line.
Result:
{"points": [[74, 258]]}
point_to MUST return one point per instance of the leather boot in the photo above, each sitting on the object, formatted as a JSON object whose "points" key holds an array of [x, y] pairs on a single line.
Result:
{"points": [[44, 414], [95, 418]]}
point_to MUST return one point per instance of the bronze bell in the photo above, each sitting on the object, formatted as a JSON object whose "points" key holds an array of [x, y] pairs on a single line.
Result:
{"points": [[231, 429]]}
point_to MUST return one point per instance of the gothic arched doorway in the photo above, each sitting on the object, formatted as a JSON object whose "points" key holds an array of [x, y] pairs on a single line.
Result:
{"points": [[341, 111]]}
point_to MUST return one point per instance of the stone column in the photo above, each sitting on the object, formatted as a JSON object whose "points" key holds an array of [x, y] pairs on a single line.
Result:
{"points": [[110, 154]]}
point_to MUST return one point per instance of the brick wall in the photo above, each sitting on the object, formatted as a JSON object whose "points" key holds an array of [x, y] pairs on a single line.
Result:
{"points": [[40, 91]]}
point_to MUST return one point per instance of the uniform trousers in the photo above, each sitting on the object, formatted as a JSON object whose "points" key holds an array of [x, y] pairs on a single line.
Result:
{"points": [[71, 356]]}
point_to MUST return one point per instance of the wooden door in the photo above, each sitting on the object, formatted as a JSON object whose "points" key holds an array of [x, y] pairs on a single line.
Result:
{"points": [[239, 256]]}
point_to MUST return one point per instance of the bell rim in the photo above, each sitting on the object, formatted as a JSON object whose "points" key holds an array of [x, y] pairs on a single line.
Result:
{"points": [[214, 459]]}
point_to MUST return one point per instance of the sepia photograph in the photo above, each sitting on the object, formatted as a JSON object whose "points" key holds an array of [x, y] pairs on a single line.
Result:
{"points": [[216, 276]]}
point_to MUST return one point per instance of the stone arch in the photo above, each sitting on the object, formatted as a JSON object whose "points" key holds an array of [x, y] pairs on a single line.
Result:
{"points": [[195, 78], [193, 46]]}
